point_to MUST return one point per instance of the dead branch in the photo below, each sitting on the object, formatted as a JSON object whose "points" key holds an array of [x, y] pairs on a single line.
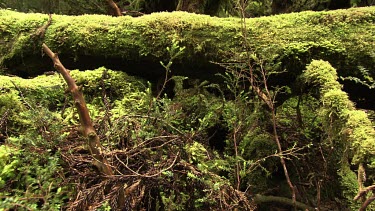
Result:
{"points": [[147, 175], [4, 118], [366, 203], [114, 7], [364, 191], [87, 127], [85, 120], [41, 31], [361, 178], [131, 188]]}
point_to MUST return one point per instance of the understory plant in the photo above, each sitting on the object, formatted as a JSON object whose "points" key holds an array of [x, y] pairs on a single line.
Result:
{"points": [[211, 146], [32, 176]]}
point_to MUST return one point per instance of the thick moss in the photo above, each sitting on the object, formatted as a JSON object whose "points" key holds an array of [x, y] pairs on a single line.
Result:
{"points": [[346, 38], [19, 95], [348, 130], [353, 125]]}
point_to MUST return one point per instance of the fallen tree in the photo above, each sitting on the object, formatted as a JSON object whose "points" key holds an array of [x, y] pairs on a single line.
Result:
{"points": [[345, 38]]}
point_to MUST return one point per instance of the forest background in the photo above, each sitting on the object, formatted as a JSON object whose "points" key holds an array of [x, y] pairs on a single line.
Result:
{"points": [[226, 104]]}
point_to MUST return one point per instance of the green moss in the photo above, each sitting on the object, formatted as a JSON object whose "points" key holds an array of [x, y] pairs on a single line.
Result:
{"points": [[352, 129], [119, 84], [123, 94], [344, 37], [337, 101], [349, 185], [322, 74], [362, 136], [7, 163], [354, 124]]}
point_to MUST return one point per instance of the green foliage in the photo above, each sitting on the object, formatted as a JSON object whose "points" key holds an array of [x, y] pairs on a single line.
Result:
{"points": [[258, 8], [10, 105], [127, 95], [7, 163], [31, 178], [166, 129], [365, 78], [221, 8], [29, 181], [38, 115], [248, 144], [171, 138], [174, 51], [197, 152], [105, 207], [349, 183], [66, 7]]}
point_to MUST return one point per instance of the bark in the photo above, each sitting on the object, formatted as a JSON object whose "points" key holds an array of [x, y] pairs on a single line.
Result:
{"points": [[116, 10], [364, 191], [367, 202]]}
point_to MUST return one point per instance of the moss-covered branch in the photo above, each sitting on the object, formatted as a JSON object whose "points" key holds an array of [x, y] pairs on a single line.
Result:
{"points": [[337, 110], [349, 131], [282, 200], [344, 37]]}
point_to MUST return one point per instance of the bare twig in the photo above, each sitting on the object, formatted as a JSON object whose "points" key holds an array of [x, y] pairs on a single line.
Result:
{"points": [[364, 191], [4, 118], [148, 176], [41, 31], [289, 152], [87, 127], [366, 203], [238, 177], [27, 104], [265, 95]]}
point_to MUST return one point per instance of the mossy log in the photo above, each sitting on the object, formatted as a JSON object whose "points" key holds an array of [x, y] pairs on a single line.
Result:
{"points": [[281, 200], [345, 38], [16, 94]]}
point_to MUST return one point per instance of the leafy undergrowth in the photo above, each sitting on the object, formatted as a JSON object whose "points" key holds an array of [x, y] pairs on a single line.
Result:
{"points": [[208, 148], [159, 153]]}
